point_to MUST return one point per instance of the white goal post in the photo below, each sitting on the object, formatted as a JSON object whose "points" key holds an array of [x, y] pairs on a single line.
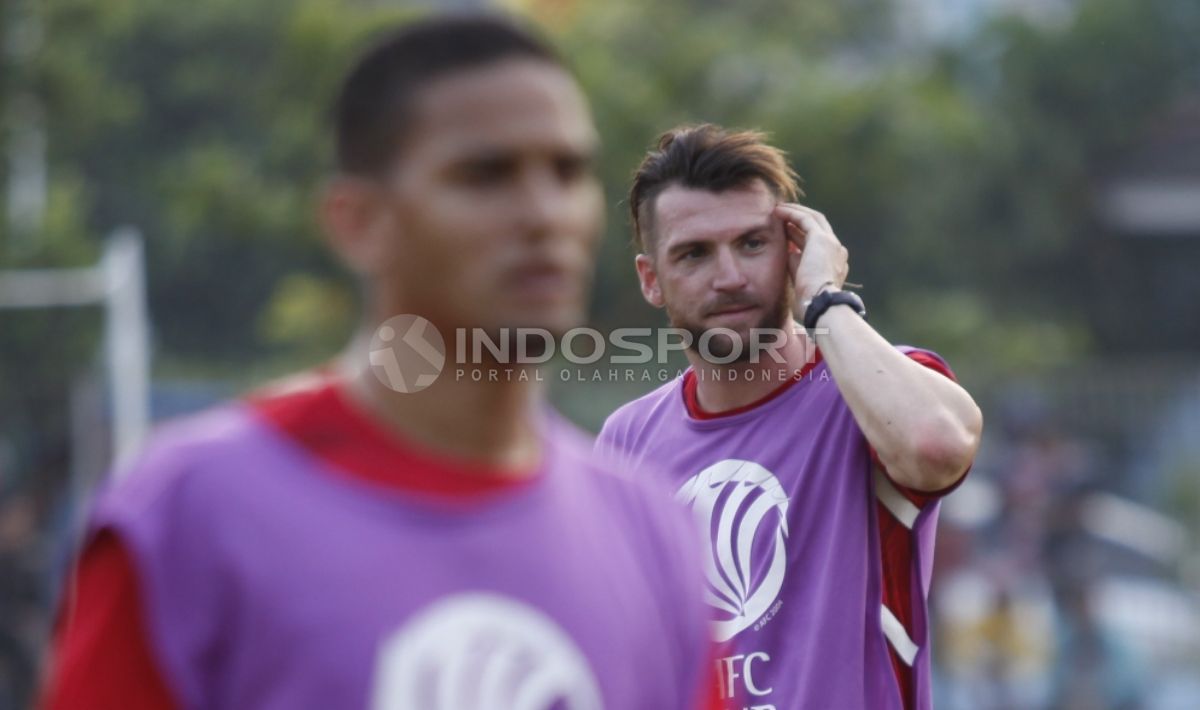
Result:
{"points": [[118, 283]]}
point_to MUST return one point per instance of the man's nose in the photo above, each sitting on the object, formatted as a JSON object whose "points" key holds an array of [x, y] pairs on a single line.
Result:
{"points": [[729, 275], [543, 202]]}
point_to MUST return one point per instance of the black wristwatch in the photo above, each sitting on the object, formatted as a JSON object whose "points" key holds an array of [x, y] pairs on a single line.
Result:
{"points": [[824, 300]]}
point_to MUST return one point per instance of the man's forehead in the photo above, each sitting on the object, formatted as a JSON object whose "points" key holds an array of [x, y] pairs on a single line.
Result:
{"points": [[689, 213], [524, 104]]}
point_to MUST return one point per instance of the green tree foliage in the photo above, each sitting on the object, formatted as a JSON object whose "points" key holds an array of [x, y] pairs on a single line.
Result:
{"points": [[959, 174], [206, 126]]}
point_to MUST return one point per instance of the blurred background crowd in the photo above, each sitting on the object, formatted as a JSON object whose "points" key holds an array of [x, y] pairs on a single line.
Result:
{"points": [[1018, 182]]}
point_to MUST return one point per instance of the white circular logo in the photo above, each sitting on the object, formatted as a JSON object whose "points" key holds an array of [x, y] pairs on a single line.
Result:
{"points": [[482, 652], [407, 353], [737, 501]]}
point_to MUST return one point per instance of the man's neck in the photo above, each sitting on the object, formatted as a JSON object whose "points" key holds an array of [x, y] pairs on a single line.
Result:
{"points": [[720, 388], [488, 420]]}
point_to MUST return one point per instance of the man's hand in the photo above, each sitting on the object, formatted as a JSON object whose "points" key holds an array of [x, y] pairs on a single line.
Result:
{"points": [[818, 260], [924, 426]]}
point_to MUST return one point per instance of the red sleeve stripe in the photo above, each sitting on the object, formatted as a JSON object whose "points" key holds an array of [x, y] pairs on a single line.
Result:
{"points": [[897, 509], [896, 515], [897, 636], [932, 363], [103, 657], [901, 508]]}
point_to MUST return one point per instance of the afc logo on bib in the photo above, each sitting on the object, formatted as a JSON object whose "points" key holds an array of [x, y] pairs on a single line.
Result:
{"points": [[482, 651], [743, 508]]}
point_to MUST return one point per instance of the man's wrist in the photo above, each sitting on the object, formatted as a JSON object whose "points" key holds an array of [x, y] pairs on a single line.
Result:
{"points": [[835, 308], [807, 298], [827, 299]]}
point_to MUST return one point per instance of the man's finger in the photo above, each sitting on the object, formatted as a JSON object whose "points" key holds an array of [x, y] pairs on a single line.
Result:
{"points": [[795, 234], [805, 222], [819, 216], [792, 208], [786, 210]]}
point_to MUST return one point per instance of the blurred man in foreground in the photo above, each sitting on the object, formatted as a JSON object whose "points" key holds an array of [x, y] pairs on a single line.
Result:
{"points": [[815, 462], [363, 538]]}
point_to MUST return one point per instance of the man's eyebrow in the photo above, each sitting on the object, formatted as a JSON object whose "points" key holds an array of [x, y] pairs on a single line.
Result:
{"points": [[754, 231], [686, 246], [583, 153], [492, 153], [485, 154]]}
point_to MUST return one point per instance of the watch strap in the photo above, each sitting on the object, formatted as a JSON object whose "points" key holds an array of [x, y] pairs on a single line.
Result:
{"points": [[825, 300]]}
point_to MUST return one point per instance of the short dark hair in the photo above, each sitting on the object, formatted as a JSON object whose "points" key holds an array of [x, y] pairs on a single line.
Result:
{"points": [[374, 105], [706, 157]]}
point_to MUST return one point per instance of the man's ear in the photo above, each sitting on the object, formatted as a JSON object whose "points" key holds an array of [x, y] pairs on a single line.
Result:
{"points": [[648, 276], [356, 222]]}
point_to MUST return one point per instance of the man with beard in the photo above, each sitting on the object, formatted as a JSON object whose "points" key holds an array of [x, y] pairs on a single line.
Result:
{"points": [[815, 461], [363, 538]]}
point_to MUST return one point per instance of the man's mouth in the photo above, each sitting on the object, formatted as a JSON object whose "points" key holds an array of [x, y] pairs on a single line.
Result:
{"points": [[732, 310], [542, 280]]}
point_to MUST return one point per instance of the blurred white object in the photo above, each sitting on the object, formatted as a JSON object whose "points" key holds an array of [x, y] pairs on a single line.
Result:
{"points": [[1135, 526], [1162, 622], [976, 503], [1160, 619], [118, 283]]}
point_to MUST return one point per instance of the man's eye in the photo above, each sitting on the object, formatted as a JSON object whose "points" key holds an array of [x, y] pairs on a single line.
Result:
{"points": [[486, 173], [572, 169], [693, 253], [755, 242]]}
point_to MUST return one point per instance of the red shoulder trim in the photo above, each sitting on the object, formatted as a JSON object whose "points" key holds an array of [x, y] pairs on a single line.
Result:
{"points": [[921, 498], [321, 418]]}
